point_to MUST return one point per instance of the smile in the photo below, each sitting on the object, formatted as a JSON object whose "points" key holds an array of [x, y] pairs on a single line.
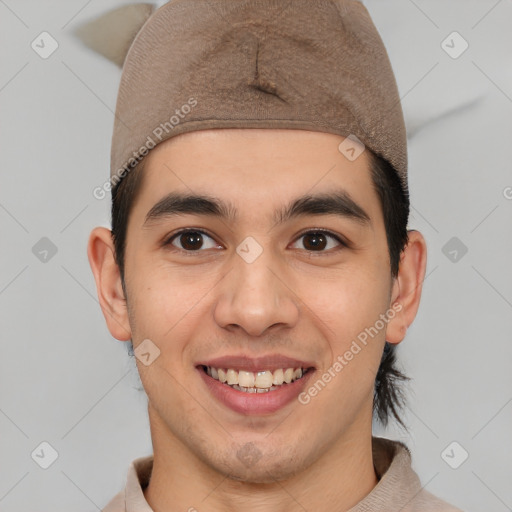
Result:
{"points": [[255, 385], [263, 381]]}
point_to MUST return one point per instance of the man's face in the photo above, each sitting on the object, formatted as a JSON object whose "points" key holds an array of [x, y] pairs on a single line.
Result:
{"points": [[257, 292]]}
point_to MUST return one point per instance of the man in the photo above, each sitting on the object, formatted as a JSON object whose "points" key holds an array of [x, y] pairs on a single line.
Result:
{"points": [[259, 259]]}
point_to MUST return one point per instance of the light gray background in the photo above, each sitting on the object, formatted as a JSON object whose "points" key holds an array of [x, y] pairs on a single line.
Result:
{"points": [[64, 380]]}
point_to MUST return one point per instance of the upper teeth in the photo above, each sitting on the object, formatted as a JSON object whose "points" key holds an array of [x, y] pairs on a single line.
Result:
{"points": [[262, 379]]}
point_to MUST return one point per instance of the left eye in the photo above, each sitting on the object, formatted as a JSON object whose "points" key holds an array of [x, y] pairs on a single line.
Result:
{"points": [[318, 241], [191, 240]]}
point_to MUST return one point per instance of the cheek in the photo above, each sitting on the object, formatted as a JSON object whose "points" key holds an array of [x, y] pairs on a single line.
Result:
{"points": [[349, 301], [167, 306], [348, 311], [166, 302]]}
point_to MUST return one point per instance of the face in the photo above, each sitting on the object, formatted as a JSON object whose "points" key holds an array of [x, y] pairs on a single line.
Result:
{"points": [[257, 282]]}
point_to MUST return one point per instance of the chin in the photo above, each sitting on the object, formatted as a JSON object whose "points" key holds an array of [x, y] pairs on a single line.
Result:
{"points": [[251, 467], [262, 475]]}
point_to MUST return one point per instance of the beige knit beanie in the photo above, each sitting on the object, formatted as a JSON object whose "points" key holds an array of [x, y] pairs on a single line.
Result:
{"points": [[299, 64]]}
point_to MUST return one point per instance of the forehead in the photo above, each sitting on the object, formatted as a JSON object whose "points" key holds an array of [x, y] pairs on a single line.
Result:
{"points": [[240, 153], [256, 167]]}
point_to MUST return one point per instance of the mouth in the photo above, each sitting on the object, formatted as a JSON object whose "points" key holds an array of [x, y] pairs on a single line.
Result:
{"points": [[255, 386], [263, 381]]}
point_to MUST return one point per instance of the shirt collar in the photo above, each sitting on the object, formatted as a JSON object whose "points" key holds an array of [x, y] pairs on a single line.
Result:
{"points": [[136, 481], [398, 484]]}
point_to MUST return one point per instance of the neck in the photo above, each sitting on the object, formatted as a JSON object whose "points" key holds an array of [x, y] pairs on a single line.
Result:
{"points": [[337, 480]]}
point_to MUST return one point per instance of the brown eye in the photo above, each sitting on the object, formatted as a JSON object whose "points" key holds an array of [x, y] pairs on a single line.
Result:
{"points": [[315, 241], [319, 241], [191, 240]]}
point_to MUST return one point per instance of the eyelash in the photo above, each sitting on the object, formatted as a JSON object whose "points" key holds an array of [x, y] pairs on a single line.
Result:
{"points": [[168, 241]]}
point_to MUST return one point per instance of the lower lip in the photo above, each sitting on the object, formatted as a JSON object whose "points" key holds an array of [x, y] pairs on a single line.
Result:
{"points": [[255, 403]]}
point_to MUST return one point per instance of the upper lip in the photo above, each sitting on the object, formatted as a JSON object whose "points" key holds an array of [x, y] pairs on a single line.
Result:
{"points": [[254, 364]]}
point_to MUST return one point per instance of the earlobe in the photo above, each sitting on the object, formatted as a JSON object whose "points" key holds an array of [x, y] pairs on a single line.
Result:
{"points": [[100, 251], [407, 286]]}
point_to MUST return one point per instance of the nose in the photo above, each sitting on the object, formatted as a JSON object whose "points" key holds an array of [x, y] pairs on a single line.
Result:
{"points": [[256, 296]]}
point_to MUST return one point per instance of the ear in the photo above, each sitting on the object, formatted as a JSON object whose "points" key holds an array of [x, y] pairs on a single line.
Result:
{"points": [[407, 286], [100, 251]]}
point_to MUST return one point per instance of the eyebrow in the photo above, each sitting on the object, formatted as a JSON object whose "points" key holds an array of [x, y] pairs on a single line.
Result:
{"points": [[337, 203]]}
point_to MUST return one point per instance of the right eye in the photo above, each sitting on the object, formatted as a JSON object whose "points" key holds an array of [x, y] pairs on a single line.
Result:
{"points": [[190, 240]]}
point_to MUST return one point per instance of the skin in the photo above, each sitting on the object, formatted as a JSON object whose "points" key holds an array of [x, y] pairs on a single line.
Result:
{"points": [[307, 304]]}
